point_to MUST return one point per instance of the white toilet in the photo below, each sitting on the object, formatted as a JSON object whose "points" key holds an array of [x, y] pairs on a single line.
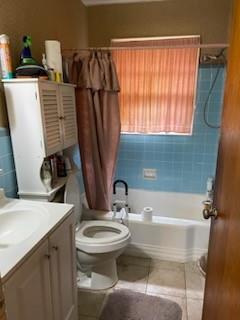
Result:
{"points": [[98, 244]]}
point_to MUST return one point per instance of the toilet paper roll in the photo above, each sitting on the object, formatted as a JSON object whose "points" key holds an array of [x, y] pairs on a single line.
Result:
{"points": [[53, 55], [147, 214]]}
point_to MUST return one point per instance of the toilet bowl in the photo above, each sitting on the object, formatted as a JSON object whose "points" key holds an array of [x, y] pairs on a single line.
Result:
{"points": [[98, 243]]}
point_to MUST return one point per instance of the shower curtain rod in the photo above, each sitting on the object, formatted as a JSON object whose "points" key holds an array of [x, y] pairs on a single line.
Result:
{"points": [[201, 46]]}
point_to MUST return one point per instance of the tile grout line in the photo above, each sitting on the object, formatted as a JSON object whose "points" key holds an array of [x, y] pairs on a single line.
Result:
{"points": [[149, 267], [185, 278], [103, 304]]}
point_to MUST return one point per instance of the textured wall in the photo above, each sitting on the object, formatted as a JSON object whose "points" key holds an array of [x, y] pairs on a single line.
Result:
{"points": [[183, 163], [55, 19], [8, 177], [209, 18]]}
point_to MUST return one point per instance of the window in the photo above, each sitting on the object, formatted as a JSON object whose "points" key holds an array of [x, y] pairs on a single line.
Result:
{"points": [[158, 86]]}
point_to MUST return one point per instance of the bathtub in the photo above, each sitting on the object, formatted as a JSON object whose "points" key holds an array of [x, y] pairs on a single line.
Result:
{"points": [[177, 231]]}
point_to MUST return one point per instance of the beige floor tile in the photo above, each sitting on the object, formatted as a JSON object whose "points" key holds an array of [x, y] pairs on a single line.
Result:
{"points": [[195, 283], [182, 302], [132, 277], [192, 267], [130, 260], [194, 309], [168, 282], [168, 265], [90, 303]]}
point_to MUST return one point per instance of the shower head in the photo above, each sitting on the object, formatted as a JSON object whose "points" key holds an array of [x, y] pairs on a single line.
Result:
{"points": [[214, 58]]}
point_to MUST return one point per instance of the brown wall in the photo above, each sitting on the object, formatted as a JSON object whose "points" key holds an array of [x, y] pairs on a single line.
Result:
{"points": [[209, 18], [73, 24], [64, 20]]}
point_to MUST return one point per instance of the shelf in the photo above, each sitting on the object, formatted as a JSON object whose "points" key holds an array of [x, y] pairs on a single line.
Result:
{"points": [[27, 80], [48, 195]]}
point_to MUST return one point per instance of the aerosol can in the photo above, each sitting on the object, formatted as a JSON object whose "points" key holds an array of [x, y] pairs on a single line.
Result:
{"points": [[5, 58]]}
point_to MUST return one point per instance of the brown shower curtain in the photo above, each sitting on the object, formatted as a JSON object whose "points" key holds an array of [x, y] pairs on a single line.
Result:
{"points": [[98, 118]]}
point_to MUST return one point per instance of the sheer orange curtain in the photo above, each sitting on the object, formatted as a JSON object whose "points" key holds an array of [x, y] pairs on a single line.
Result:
{"points": [[158, 86]]}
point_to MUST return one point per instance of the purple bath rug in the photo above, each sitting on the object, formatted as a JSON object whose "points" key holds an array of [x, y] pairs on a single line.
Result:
{"points": [[130, 305]]}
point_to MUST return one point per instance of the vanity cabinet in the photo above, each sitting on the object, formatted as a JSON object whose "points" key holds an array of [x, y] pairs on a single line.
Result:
{"points": [[44, 286], [28, 291], [42, 118]]}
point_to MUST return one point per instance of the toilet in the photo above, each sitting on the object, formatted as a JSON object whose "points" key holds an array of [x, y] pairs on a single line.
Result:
{"points": [[99, 243]]}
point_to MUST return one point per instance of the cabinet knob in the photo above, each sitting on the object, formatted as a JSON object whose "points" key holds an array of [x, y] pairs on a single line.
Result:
{"points": [[55, 248], [48, 256], [61, 118]]}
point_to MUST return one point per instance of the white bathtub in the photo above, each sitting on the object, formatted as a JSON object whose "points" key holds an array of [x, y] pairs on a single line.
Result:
{"points": [[177, 231]]}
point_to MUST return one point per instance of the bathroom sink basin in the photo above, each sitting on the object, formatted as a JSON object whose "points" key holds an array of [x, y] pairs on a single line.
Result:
{"points": [[18, 225]]}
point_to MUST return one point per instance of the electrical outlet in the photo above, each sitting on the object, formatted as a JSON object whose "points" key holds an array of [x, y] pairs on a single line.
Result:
{"points": [[150, 174]]}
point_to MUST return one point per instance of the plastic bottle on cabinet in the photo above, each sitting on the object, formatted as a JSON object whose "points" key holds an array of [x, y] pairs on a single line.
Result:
{"points": [[5, 57], [61, 166]]}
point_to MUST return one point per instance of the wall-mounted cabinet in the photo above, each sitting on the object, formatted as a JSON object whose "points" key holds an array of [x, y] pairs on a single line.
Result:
{"points": [[42, 117]]}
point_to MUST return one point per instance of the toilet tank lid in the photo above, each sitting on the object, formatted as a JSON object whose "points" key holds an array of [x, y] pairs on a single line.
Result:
{"points": [[72, 195]]}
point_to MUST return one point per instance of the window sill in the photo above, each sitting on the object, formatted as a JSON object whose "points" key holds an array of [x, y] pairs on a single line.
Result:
{"points": [[158, 134]]}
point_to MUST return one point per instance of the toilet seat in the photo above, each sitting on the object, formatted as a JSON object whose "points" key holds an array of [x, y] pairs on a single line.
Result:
{"points": [[101, 236], [95, 236]]}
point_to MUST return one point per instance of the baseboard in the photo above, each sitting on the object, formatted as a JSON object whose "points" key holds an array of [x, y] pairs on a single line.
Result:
{"points": [[163, 253]]}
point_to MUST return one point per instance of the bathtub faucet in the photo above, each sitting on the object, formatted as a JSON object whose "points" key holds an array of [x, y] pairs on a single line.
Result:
{"points": [[125, 186]]}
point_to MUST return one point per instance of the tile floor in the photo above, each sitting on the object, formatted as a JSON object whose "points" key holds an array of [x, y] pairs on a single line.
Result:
{"points": [[179, 282]]}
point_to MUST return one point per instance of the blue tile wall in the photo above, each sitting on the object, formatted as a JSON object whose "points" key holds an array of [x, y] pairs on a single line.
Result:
{"points": [[8, 177], [183, 163]]}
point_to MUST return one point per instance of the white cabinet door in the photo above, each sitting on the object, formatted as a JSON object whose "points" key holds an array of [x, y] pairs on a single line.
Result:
{"points": [[28, 291], [63, 271], [50, 107], [69, 123]]}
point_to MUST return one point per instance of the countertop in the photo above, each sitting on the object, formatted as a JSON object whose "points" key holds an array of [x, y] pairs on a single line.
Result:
{"points": [[51, 215]]}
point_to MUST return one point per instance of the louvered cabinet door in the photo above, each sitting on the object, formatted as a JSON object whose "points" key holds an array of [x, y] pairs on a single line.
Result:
{"points": [[50, 107], [68, 109]]}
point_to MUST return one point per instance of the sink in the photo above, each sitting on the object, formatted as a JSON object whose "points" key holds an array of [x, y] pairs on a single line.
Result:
{"points": [[18, 225]]}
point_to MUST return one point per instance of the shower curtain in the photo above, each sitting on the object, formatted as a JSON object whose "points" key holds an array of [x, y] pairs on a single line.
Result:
{"points": [[98, 118]]}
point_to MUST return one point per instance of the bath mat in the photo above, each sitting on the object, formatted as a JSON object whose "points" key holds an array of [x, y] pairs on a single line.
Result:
{"points": [[130, 305]]}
